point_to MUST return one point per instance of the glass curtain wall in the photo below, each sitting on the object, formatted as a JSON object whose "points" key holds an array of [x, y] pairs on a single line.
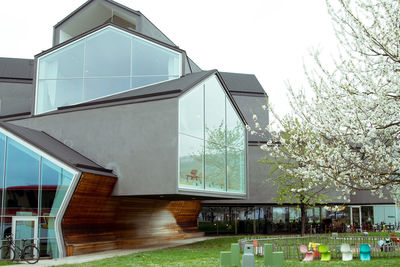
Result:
{"points": [[107, 62], [211, 141], [31, 185], [274, 219]]}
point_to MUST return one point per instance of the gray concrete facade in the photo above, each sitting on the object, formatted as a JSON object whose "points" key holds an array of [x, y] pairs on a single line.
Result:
{"points": [[139, 142]]}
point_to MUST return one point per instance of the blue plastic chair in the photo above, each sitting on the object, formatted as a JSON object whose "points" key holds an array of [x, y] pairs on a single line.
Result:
{"points": [[365, 252]]}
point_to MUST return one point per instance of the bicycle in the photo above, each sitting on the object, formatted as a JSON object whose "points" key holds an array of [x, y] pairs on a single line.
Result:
{"points": [[29, 253]]}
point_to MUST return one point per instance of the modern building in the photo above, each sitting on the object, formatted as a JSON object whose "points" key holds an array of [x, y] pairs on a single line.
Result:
{"points": [[115, 138]]}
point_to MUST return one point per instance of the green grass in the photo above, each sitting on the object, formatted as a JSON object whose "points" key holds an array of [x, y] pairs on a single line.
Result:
{"points": [[206, 253], [3, 262]]}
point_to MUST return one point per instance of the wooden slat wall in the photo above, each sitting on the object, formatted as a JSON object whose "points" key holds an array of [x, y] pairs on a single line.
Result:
{"points": [[96, 221]]}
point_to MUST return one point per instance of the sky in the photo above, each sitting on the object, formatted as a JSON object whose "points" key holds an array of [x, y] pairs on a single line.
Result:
{"points": [[269, 38]]}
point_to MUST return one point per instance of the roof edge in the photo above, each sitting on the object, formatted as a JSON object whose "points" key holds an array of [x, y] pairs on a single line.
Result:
{"points": [[108, 24], [90, 1], [99, 102], [40, 147]]}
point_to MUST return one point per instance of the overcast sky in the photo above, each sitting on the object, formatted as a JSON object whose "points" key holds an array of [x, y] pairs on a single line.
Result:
{"points": [[268, 38]]}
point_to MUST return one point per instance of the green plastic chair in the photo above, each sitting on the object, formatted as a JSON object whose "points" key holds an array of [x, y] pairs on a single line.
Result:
{"points": [[225, 258], [325, 253], [235, 257], [277, 259], [267, 255]]}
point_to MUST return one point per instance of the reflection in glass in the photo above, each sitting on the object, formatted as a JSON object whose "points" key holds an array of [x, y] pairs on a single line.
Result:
{"points": [[96, 88], [6, 226], [108, 53], [215, 166], [22, 188], [48, 244], [191, 162], [279, 215], [205, 112], [24, 230], [151, 59], [21, 180], [235, 170], [140, 81], [214, 111], [294, 214], [235, 130], [58, 93], [64, 63], [191, 113], [54, 184]]}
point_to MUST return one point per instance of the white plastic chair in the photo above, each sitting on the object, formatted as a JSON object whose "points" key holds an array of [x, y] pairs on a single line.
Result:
{"points": [[347, 255]]}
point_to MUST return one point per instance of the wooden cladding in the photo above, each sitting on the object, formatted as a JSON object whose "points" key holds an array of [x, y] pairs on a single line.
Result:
{"points": [[186, 213], [96, 221]]}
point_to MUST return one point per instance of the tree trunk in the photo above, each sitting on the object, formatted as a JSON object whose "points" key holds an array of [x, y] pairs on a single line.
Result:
{"points": [[303, 212]]}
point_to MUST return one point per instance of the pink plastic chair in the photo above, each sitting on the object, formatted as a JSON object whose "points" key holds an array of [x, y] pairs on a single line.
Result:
{"points": [[309, 255]]}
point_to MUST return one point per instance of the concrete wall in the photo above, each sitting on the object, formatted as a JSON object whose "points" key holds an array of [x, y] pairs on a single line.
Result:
{"points": [[138, 141]]}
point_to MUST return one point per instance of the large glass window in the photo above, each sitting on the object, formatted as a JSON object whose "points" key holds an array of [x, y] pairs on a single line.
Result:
{"points": [[208, 119], [33, 186], [21, 180], [191, 116], [107, 62], [191, 162]]}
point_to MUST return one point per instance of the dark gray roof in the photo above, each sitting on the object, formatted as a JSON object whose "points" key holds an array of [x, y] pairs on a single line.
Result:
{"points": [[55, 148], [242, 83], [366, 197], [16, 68]]}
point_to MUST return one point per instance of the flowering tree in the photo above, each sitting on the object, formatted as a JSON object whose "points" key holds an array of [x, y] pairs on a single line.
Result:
{"points": [[353, 120], [285, 158]]}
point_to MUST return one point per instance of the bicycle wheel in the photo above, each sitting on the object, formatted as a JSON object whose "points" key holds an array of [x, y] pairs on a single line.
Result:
{"points": [[7, 253], [31, 254]]}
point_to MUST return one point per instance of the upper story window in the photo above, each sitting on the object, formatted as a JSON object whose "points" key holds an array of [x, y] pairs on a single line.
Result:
{"points": [[91, 16], [103, 63], [212, 150]]}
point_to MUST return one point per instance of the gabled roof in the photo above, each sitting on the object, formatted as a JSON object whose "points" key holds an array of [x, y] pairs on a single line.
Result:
{"points": [[242, 83], [145, 26], [55, 148], [91, 1]]}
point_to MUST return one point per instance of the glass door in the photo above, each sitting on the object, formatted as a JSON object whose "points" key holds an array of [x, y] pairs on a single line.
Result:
{"points": [[356, 218], [24, 228]]}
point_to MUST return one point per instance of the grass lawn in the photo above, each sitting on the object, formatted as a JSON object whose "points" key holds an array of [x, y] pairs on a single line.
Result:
{"points": [[7, 262], [206, 253]]}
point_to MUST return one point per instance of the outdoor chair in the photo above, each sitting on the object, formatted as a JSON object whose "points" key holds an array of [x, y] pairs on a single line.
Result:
{"points": [[309, 255], [365, 252], [325, 253], [314, 247], [347, 255], [394, 239]]}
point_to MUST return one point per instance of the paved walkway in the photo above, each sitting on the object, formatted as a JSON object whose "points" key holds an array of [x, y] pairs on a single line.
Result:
{"points": [[111, 253]]}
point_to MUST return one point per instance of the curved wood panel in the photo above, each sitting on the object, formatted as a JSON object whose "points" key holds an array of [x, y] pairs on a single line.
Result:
{"points": [[96, 221]]}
